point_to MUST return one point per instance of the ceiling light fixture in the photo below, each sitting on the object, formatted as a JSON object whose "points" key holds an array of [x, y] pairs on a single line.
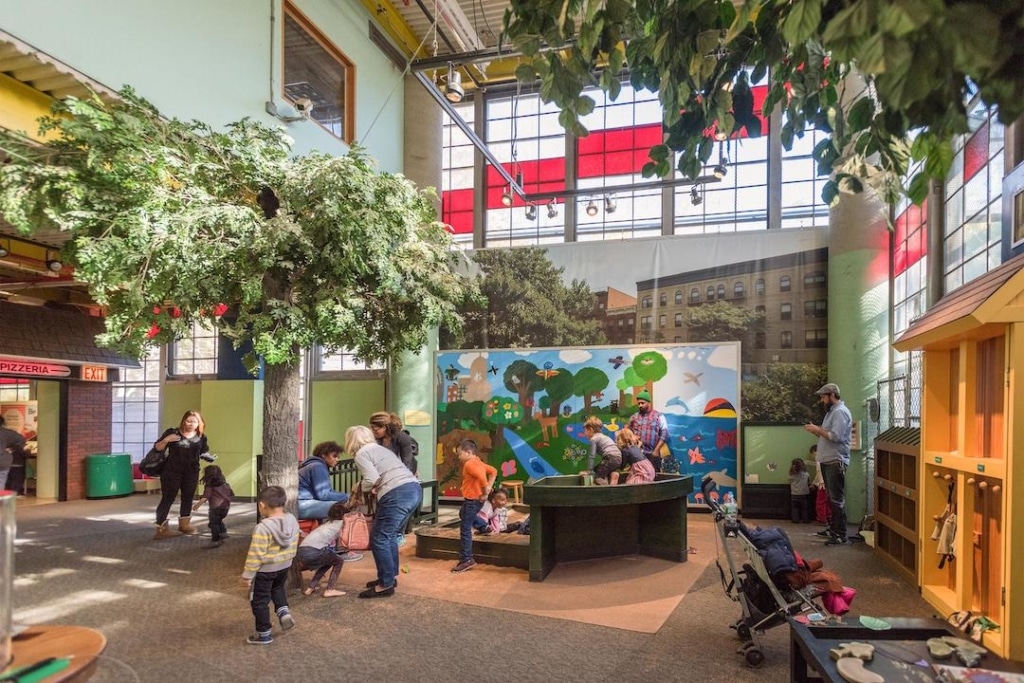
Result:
{"points": [[591, 208], [5, 248], [721, 169], [531, 212], [453, 90], [506, 196], [609, 204], [695, 197], [552, 209], [53, 262]]}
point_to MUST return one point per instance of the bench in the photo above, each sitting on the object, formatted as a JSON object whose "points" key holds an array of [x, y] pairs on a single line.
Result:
{"points": [[441, 542]]}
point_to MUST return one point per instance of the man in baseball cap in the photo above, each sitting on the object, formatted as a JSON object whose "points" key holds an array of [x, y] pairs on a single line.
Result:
{"points": [[834, 457]]}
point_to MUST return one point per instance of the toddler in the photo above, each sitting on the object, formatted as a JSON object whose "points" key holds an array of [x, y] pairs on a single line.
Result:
{"points": [[271, 551], [493, 516], [319, 551], [601, 444], [216, 490], [641, 470], [798, 491]]}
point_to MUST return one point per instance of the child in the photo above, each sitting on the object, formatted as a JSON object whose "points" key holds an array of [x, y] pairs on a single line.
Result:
{"points": [[274, 543], [477, 479], [822, 504], [798, 490], [216, 490], [611, 456], [493, 516], [319, 551], [641, 470]]}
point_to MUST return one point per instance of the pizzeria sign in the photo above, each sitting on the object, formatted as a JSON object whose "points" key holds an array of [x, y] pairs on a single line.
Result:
{"points": [[32, 368]]}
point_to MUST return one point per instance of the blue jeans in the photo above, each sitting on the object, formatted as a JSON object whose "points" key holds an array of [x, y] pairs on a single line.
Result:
{"points": [[834, 474], [315, 509], [388, 524], [468, 513]]}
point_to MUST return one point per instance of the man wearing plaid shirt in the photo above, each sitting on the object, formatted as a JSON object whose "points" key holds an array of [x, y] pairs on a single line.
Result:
{"points": [[650, 426]]}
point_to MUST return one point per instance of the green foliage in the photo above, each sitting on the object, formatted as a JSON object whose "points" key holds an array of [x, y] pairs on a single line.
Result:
{"points": [[720, 321], [785, 393], [528, 305], [650, 366], [866, 71], [166, 215]]}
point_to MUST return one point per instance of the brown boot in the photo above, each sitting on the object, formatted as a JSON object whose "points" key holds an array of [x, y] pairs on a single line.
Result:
{"points": [[186, 528], [163, 531]]}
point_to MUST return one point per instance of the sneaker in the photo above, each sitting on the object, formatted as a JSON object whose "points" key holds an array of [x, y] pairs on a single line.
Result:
{"points": [[259, 639], [824, 533], [215, 544], [352, 556], [838, 540], [401, 540], [485, 532], [287, 621], [464, 566], [208, 457]]}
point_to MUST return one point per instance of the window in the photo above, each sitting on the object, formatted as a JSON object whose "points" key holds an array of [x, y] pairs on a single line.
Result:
{"points": [[786, 311], [457, 174], [760, 340], [711, 292], [816, 339], [784, 283], [816, 309], [195, 354], [679, 297], [679, 320], [677, 339], [738, 290], [315, 70], [694, 295], [663, 299], [645, 322], [135, 410], [759, 287], [344, 361], [645, 302], [621, 322], [661, 321], [787, 340], [815, 280], [721, 291], [16, 390]]}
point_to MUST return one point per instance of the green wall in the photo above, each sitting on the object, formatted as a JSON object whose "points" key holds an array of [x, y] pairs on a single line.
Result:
{"points": [[336, 405], [768, 450]]}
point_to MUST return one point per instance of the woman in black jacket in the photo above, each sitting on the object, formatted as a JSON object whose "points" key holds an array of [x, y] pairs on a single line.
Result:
{"points": [[187, 444], [387, 430]]}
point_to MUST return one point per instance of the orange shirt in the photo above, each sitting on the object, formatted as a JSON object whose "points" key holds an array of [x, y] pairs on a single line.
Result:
{"points": [[475, 473]]}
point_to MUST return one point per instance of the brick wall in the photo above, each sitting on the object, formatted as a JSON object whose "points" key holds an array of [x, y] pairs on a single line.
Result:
{"points": [[89, 408]]}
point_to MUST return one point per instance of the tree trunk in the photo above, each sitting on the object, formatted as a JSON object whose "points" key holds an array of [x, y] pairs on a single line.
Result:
{"points": [[281, 430]]}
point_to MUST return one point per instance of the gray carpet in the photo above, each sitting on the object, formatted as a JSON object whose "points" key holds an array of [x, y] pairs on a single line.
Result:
{"points": [[173, 610]]}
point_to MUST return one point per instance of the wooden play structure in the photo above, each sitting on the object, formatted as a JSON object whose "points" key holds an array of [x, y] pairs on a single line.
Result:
{"points": [[972, 453]]}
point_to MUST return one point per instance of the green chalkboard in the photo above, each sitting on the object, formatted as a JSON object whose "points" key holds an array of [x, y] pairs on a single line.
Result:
{"points": [[768, 450]]}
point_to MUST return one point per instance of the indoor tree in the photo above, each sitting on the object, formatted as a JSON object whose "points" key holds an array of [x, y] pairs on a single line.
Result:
{"points": [[172, 223], [887, 79]]}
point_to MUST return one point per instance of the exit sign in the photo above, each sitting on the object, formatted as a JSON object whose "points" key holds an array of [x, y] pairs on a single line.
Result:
{"points": [[94, 373]]}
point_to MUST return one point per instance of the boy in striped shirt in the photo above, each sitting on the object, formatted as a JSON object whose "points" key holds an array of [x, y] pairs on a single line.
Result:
{"points": [[275, 541]]}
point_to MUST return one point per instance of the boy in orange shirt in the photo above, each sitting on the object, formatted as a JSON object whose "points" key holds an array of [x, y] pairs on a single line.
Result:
{"points": [[477, 480]]}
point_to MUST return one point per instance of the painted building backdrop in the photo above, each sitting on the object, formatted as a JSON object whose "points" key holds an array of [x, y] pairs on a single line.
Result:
{"points": [[526, 407]]}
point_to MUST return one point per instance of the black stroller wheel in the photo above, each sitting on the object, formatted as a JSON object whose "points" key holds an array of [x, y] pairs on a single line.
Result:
{"points": [[754, 657], [742, 630]]}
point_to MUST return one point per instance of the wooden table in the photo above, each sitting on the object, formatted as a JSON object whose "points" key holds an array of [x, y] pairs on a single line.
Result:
{"points": [[82, 644]]}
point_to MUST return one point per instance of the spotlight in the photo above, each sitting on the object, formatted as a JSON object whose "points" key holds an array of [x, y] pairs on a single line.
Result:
{"points": [[721, 135], [506, 196], [531, 212], [453, 87], [609, 204], [695, 197], [5, 249], [552, 209], [720, 170], [55, 264], [591, 208]]}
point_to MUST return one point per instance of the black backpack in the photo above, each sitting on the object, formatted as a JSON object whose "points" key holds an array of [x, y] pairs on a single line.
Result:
{"points": [[414, 465]]}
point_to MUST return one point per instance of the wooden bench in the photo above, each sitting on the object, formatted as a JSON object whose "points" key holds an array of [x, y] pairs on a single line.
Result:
{"points": [[441, 542]]}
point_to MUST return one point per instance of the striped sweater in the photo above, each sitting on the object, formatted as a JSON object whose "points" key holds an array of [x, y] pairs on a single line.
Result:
{"points": [[275, 541]]}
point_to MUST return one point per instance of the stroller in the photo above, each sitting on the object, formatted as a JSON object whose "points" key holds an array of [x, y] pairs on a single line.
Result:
{"points": [[765, 603]]}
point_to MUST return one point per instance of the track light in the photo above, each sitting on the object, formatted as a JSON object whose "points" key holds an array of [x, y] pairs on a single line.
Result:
{"points": [[591, 208], [5, 248], [609, 204], [695, 197], [721, 169], [506, 196], [531, 212], [53, 262], [552, 209], [721, 135], [453, 91]]}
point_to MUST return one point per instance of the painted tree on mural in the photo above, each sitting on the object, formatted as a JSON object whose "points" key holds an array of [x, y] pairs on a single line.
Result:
{"points": [[559, 388], [522, 378], [589, 382], [170, 221], [650, 366], [866, 72]]}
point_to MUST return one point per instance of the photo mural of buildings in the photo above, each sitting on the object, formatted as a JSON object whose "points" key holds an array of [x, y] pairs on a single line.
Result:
{"points": [[526, 407], [765, 291]]}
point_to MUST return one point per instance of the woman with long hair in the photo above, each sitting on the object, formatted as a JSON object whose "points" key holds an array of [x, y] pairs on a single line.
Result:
{"points": [[388, 432], [187, 444]]}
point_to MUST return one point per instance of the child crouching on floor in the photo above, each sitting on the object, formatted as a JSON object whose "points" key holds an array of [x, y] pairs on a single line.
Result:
{"points": [[320, 552], [493, 516]]}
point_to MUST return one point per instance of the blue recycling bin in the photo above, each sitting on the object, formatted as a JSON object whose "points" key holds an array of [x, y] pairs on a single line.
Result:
{"points": [[108, 475]]}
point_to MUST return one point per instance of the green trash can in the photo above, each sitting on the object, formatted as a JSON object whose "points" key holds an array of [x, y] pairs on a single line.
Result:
{"points": [[108, 475]]}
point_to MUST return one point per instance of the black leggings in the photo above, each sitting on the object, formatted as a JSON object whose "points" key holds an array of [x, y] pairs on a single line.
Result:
{"points": [[170, 483]]}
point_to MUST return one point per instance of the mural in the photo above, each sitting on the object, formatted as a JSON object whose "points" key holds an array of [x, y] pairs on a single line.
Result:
{"points": [[526, 407]]}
